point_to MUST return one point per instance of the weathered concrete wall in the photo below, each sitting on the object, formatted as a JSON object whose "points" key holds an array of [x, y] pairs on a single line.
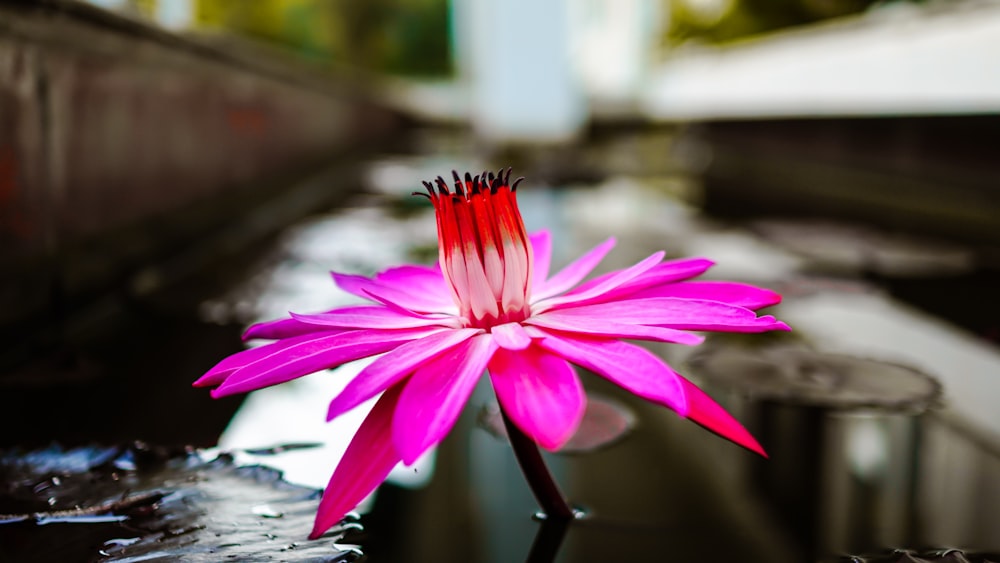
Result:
{"points": [[109, 128]]}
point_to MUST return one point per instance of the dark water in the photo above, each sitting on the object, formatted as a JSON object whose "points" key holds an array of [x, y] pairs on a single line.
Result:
{"points": [[876, 410]]}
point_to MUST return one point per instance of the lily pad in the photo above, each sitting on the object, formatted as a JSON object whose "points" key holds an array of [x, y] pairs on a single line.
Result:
{"points": [[137, 503], [933, 556], [800, 375]]}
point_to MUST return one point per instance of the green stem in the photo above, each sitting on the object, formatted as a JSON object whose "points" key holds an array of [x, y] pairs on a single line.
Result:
{"points": [[545, 489]]}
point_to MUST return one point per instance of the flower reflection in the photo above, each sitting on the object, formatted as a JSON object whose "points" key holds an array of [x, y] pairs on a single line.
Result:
{"points": [[490, 305]]}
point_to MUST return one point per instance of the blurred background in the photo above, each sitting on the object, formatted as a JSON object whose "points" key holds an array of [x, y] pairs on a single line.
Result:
{"points": [[174, 170]]}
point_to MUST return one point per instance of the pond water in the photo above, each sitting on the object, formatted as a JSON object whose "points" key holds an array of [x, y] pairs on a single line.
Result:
{"points": [[876, 412]]}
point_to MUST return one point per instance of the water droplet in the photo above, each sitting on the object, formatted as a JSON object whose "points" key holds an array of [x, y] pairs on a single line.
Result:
{"points": [[121, 542], [126, 461], [578, 514], [282, 448], [266, 511], [81, 519], [346, 526]]}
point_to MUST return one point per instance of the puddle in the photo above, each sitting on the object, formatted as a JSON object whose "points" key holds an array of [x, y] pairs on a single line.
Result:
{"points": [[842, 425]]}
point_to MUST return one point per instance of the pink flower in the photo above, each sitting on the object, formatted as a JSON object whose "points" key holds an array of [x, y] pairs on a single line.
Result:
{"points": [[490, 305]]}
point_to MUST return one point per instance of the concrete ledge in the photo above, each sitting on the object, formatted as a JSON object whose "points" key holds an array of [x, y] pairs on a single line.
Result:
{"points": [[935, 59], [112, 131]]}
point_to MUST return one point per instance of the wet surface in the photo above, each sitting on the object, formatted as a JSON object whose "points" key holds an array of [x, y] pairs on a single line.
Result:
{"points": [[867, 451], [137, 503]]}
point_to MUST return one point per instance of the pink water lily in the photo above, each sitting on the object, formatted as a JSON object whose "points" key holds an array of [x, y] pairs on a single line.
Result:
{"points": [[490, 305]]}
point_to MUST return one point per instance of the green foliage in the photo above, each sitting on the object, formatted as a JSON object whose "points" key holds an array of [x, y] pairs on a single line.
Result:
{"points": [[724, 21], [396, 36]]}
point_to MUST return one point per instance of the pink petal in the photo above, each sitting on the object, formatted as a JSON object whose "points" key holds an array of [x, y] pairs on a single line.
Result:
{"points": [[709, 414], [434, 396], [419, 279], [599, 325], [664, 273], [572, 274], [631, 367], [284, 328], [374, 317], [678, 313], [353, 283], [511, 336], [394, 366], [366, 463], [540, 392], [733, 293], [598, 291], [541, 246], [397, 292], [309, 356], [226, 367]]}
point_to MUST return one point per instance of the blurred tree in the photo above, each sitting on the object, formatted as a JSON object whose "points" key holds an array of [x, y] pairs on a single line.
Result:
{"points": [[308, 27], [722, 21], [396, 36], [416, 38]]}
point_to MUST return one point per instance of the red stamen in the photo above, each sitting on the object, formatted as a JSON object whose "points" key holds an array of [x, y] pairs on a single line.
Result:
{"points": [[483, 247]]}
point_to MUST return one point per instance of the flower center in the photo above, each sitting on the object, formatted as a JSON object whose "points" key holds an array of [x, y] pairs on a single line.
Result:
{"points": [[483, 248]]}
